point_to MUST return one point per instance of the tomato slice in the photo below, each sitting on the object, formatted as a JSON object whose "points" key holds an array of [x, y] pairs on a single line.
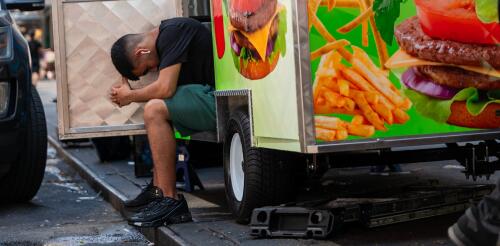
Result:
{"points": [[243, 6], [455, 20]]}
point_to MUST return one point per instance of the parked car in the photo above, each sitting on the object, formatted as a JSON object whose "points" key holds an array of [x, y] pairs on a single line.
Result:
{"points": [[23, 130]]}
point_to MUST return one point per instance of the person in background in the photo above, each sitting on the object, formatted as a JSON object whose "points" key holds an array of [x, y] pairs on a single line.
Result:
{"points": [[35, 52], [480, 225]]}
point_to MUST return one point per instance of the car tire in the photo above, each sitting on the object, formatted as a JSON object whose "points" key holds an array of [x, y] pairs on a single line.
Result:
{"points": [[264, 178], [25, 176]]}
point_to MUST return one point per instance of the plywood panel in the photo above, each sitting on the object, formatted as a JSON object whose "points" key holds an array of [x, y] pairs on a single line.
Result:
{"points": [[90, 28]]}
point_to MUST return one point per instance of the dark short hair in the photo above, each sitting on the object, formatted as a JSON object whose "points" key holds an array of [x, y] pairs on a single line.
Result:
{"points": [[121, 55]]}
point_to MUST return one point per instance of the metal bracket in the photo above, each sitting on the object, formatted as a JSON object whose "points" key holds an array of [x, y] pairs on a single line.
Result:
{"points": [[477, 159], [291, 222], [226, 103]]}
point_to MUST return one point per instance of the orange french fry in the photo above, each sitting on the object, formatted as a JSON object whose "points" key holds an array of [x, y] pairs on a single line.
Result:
{"points": [[384, 112], [321, 101], [368, 112], [400, 116], [331, 4], [364, 25], [363, 56], [325, 135], [334, 110], [370, 96], [335, 45], [362, 18], [342, 134], [357, 120], [330, 123], [349, 104], [314, 20], [379, 82], [326, 72], [327, 83], [343, 86], [361, 130], [383, 53], [333, 98], [345, 54], [323, 109], [340, 4], [312, 8], [406, 104], [356, 79]]}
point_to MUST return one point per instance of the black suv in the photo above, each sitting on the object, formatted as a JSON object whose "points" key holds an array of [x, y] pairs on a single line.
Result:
{"points": [[23, 131]]}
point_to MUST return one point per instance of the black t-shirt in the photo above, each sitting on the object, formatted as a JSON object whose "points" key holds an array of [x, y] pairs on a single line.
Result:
{"points": [[187, 41]]}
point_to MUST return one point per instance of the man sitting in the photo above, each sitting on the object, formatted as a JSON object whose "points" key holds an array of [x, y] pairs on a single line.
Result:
{"points": [[181, 97]]}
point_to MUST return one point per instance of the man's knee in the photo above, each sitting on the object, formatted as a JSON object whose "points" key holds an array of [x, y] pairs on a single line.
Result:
{"points": [[155, 109]]}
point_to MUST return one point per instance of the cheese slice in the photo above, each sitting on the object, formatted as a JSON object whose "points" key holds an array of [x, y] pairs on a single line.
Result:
{"points": [[402, 59], [260, 37]]}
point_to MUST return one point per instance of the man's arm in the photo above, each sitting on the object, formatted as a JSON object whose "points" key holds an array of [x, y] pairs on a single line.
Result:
{"points": [[164, 87]]}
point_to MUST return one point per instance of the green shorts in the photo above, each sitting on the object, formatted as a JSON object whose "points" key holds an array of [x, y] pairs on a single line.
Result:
{"points": [[192, 109]]}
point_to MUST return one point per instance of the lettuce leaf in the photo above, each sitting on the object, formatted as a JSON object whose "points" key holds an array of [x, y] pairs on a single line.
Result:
{"points": [[439, 110], [280, 44], [487, 10], [386, 14]]}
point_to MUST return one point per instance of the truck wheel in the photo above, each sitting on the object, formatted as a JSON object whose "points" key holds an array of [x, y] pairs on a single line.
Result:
{"points": [[24, 179], [254, 177]]}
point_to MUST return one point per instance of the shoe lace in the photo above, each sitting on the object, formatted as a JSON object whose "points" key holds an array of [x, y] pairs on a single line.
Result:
{"points": [[157, 205], [151, 206]]}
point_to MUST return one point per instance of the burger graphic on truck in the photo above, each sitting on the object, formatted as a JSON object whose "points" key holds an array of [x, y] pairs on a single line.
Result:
{"points": [[451, 51], [257, 36]]}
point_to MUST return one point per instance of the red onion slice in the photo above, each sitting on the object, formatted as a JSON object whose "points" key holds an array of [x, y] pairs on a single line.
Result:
{"points": [[236, 48], [414, 80]]}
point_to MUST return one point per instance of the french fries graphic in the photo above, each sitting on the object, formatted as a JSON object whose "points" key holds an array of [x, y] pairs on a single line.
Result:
{"points": [[349, 83]]}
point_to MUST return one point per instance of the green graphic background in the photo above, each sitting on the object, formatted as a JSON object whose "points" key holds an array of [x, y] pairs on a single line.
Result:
{"points": [[274, 98], [418, 124]]}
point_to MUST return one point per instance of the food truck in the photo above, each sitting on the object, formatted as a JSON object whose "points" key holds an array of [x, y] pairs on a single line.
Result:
{"points": [[301, 83]]}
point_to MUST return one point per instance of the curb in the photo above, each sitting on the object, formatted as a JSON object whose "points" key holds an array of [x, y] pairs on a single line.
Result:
{"points": [[162, 236]]}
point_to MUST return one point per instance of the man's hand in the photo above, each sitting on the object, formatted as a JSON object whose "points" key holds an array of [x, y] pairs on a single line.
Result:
{"points": [[121, 94]]}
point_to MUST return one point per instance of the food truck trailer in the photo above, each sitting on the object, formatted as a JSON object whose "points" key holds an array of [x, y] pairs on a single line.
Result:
{"points": [[303, 86]]}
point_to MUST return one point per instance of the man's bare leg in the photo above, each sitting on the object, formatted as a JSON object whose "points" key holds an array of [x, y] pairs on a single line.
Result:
{"points": [[163, 146]]}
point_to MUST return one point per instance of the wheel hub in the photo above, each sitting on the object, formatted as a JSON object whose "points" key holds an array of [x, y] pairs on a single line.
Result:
{"points": [[236, 167]]}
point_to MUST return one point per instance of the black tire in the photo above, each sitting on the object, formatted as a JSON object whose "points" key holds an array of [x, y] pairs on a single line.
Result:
{"points": [[25, 176], [267, 173]]}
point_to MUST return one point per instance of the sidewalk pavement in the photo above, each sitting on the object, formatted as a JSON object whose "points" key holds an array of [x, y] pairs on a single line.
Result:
{"points": [[213, 224]]}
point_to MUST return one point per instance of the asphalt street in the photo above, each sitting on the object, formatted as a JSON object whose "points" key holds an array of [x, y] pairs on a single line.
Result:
{"points": [[66, 211]]}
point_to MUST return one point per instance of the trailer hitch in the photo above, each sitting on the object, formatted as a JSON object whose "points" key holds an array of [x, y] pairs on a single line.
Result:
{"points": [[481, 160]]}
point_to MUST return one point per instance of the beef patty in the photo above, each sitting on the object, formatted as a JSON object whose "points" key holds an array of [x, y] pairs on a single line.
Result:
{"points": [[458, 78], [252, 21], [414, 41]]}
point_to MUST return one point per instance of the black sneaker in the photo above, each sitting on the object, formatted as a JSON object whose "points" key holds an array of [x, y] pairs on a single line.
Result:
{"points": [[469, 231], [148, 194], [164, 211]]}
